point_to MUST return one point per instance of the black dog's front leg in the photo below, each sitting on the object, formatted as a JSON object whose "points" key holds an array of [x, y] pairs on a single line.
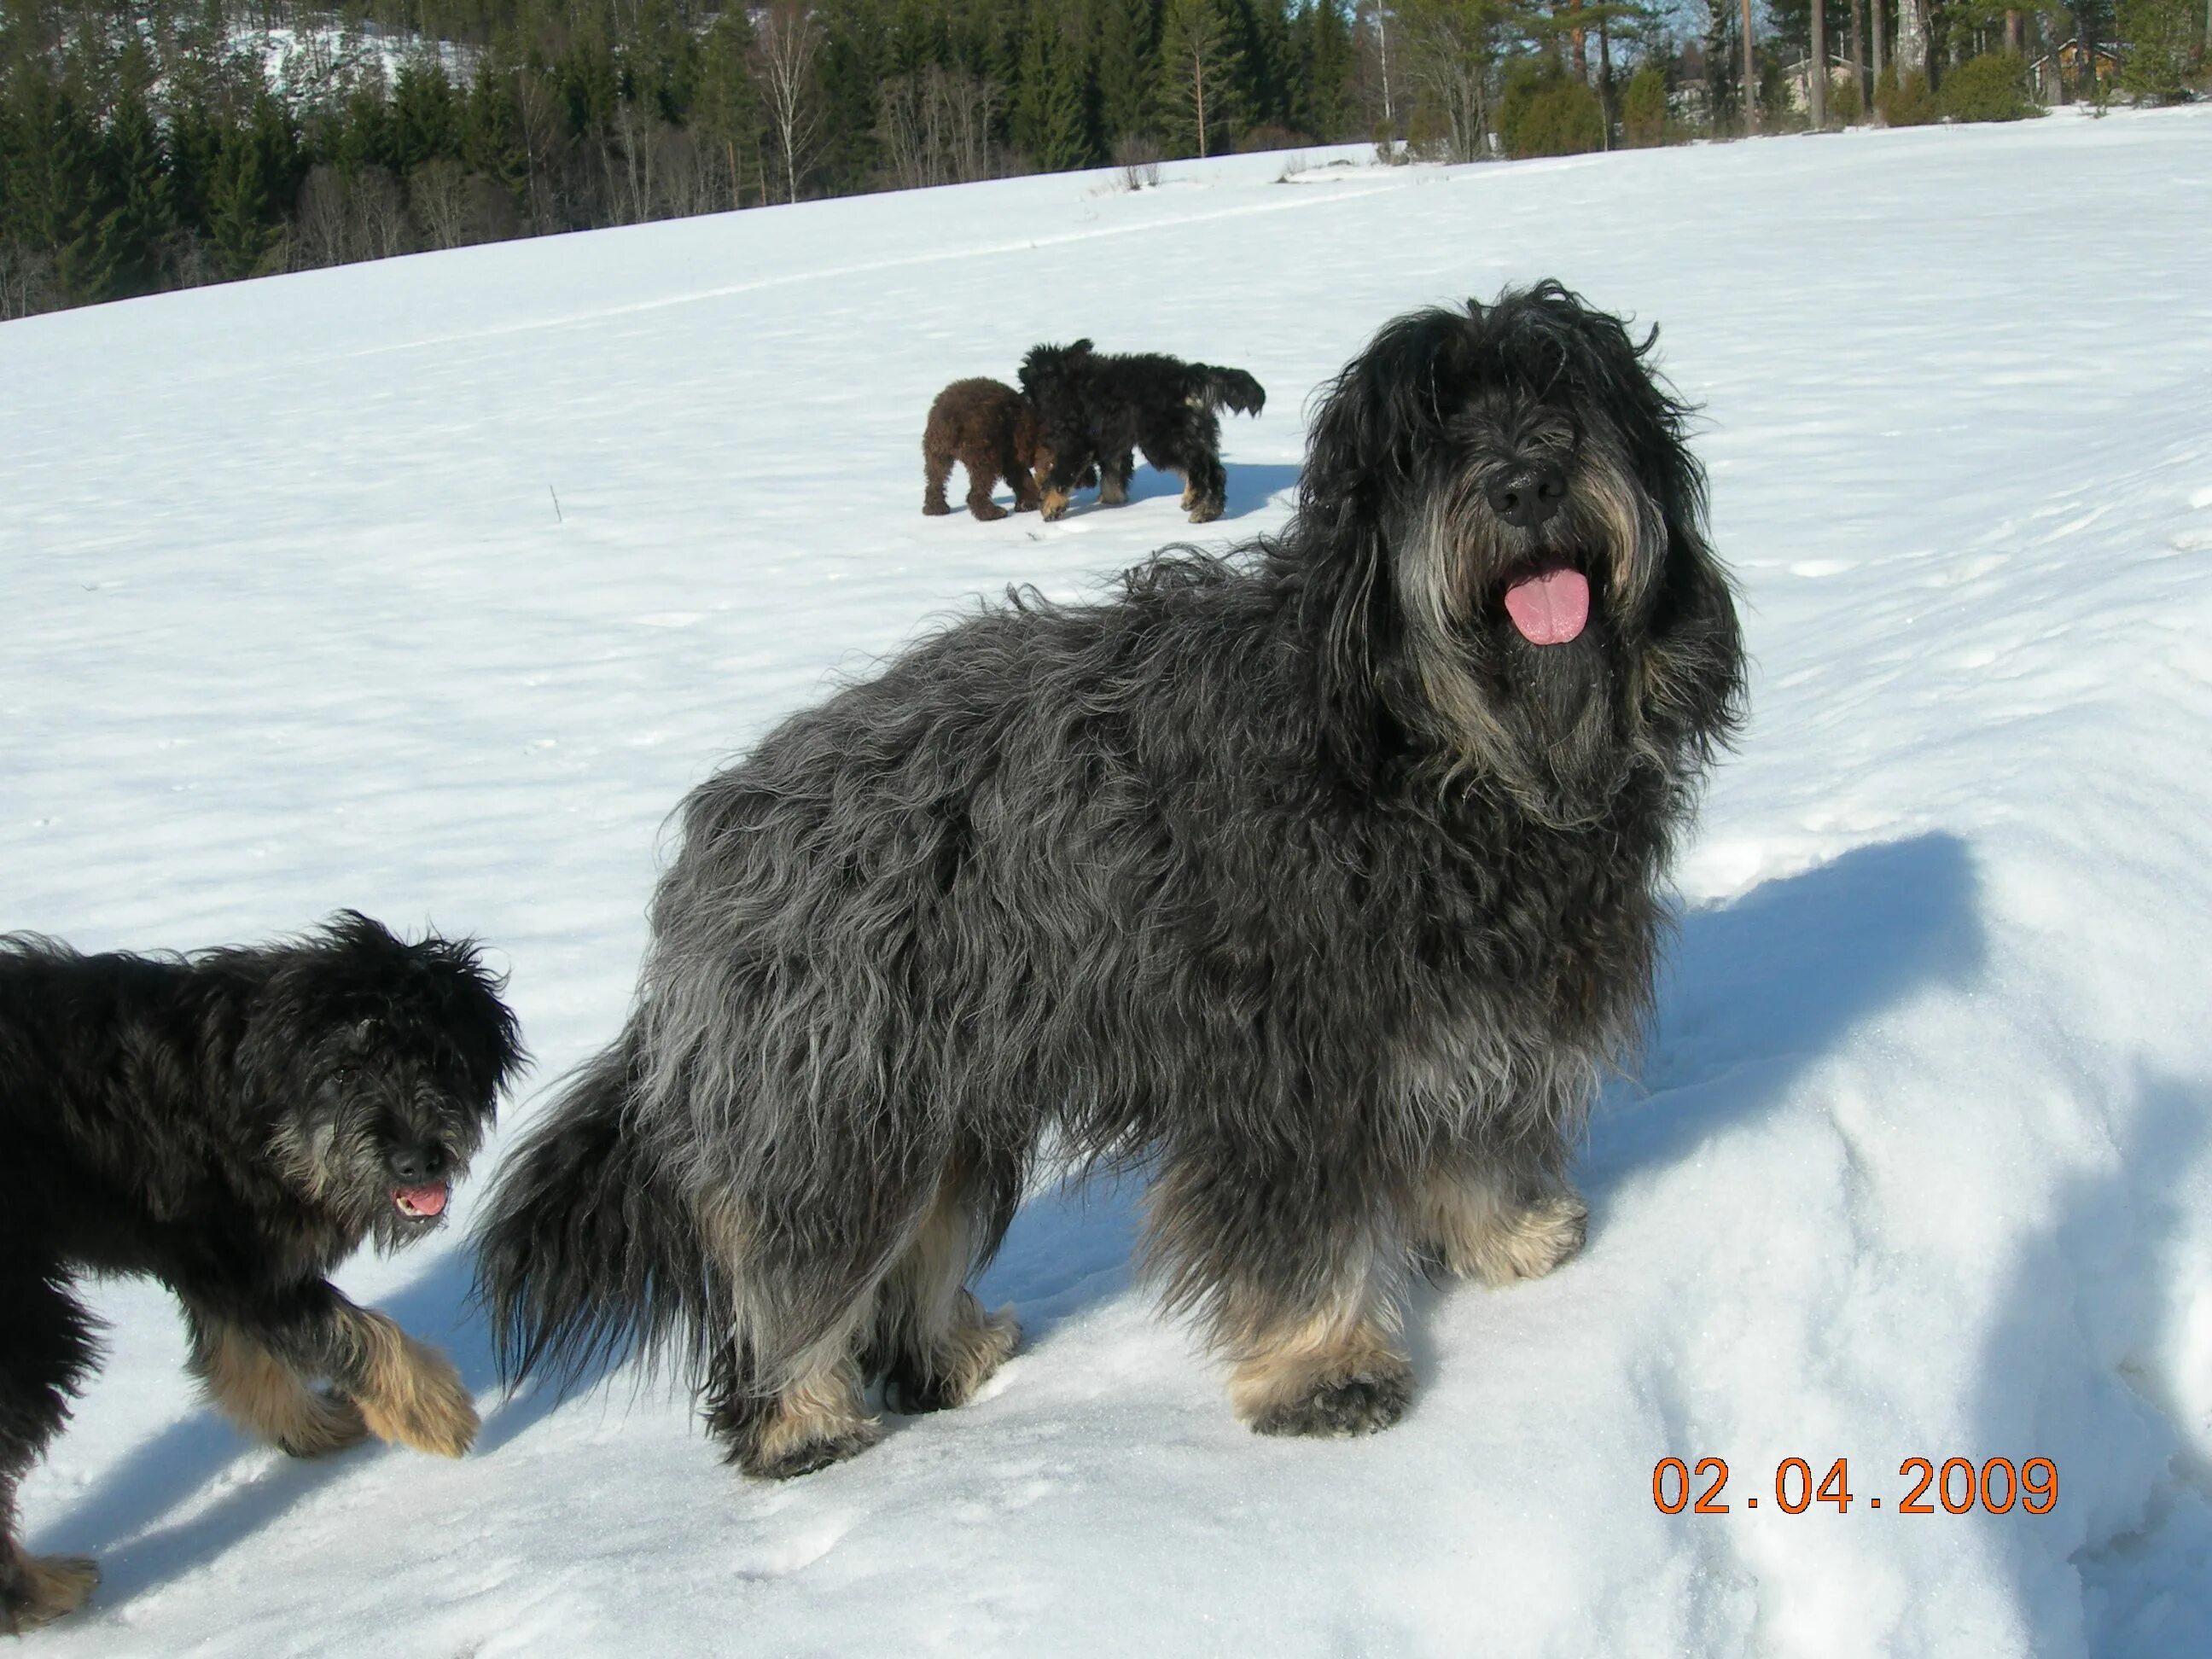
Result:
{"points": [[405, 1392], [1114, 475], [264, 1396]]}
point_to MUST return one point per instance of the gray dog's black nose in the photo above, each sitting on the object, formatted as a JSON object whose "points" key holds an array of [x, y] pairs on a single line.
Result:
{"points": [[415, 1165], [1527, 496]]}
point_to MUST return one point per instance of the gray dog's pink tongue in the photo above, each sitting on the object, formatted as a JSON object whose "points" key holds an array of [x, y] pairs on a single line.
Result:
{"points": [[422, 1200], [1551, 608]]}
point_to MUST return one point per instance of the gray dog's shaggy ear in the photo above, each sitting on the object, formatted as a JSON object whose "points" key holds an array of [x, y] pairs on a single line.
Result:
{"points": [[1381, 413]]}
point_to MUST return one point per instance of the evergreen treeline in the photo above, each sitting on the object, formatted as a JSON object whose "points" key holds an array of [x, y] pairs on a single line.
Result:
{"points": [[200, 141]]}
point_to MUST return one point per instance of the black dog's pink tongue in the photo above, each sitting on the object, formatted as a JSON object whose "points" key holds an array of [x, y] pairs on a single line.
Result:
{"points": [[1551, 607], [428, 1200]]}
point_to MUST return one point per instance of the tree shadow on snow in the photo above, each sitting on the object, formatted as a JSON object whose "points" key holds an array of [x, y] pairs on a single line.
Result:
{"points": [[119, 1522], [2099, 1305]]}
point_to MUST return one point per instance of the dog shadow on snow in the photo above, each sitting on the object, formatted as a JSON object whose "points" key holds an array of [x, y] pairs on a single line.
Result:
{"points": [[1252, 485], [1752, 991], [123, 1521]]}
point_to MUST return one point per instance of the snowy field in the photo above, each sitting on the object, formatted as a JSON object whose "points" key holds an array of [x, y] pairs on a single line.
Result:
{"points": [[1919, 1163]]}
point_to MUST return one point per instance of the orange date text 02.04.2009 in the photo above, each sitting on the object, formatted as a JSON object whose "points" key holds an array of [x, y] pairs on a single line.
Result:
{"points": [[1995, 1486]]}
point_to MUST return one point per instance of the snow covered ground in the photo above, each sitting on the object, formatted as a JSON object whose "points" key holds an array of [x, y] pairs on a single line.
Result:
{"points": [[428, 587]]}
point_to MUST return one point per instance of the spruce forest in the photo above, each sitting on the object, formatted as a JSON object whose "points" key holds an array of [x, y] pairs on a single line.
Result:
{"points": [[200, 141]]}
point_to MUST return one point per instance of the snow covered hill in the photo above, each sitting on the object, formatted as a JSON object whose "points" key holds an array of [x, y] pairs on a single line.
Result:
{"points": [[428, 587]]}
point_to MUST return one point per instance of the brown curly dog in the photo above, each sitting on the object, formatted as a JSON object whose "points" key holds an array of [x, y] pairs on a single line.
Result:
{"points": [[989, 429]]}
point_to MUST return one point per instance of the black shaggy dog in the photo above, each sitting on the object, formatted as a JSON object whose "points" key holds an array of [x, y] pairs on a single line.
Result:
{"points": [[233, 1124], [1320, 877], [1096, 408]]}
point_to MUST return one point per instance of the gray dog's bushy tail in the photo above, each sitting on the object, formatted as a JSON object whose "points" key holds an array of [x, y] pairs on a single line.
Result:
{"points": [[1231, 389], [582, 1257]]}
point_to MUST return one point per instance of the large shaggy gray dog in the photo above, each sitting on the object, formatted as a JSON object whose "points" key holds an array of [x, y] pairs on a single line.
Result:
{"points": [[1320, 876]]}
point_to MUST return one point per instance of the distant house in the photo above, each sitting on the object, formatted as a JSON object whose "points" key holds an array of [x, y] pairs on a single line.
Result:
{"points": [[1798, 77], [2056, 74]]}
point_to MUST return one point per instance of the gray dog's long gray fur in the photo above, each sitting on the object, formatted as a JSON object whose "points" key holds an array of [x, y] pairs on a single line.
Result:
{"points": [[1297, 871]]}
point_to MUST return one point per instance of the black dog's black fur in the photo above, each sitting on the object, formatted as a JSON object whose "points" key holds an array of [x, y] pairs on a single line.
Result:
{"points": [[1311, 874], [235, 1124], [1096, 408]]}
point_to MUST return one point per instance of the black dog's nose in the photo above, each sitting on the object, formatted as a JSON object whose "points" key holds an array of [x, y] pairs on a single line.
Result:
{"points": [[415, 1165], [1527, 496]]}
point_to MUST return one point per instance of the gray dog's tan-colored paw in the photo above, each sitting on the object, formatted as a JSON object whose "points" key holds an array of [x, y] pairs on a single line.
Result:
{"points": [[1325, 1379], [1341, 1408], [967, 1358], [784, 1457], [1485, 1229], [1529, 1243], [810, 1425]]}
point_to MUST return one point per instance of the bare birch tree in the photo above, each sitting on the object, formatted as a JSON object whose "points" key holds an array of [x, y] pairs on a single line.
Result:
{"points": [[437, 192], [1449, 49], [789, 44], [1911, 39], [935, 127]]}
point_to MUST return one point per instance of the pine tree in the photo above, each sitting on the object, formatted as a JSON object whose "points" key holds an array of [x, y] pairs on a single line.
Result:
{"points": [[426, 116], [195, 152], [491, 141], [1260, 32], [1199, 68], [2158, 34], [1048, 124], [81, 196], [1127, 74], [254, 177], [26, 182], [728, 113], [1321, 102], [135, 235], [363, 134]]}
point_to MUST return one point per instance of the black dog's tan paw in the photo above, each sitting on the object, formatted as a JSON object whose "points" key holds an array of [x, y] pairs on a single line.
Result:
{"points": [[266, 1398], [415, 1398], [36, 1589], [325, 1422], [1342, 1407]]}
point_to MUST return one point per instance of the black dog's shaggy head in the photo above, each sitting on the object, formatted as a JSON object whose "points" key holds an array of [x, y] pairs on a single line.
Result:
{"points": [[383, 1061], [1505, 528], [1054, 381]]}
